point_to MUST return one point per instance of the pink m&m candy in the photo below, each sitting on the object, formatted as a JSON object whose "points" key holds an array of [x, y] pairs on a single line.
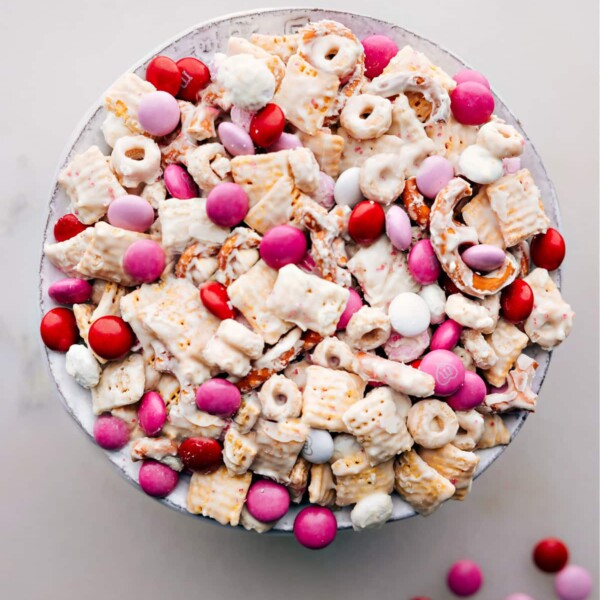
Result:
{"points": [[286, 141], [446, 336], [235, 140], [241, 117], [433, 175], [282, 245], [152, 413], [157, 479], [573, 583], [323, 195], [159, 113], [218, 397], [353, 305], [398, 228], [471, 75], [447, 370], [315, 527], [423, 263], [470, 394], [484, 257], [144, 261], [179, 183], [471, 103], [130, 212], [227, 204], [70, 291], [465, 578], [267, 501], [379, 50], [110, 433], [511, 165]]}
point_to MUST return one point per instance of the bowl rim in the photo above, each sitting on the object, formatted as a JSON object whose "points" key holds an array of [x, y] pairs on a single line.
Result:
{"points": [[97, 106]]}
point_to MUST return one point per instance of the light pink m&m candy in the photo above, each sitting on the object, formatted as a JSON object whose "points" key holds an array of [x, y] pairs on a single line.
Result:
{"points": [[423, 263], [241, 117], [315, 527], [484, 257], [236, 140], [110, 433], [398, 228], [144, 261], [379, 50], [433, 175], [519, 597], [267, 501], [471, 75], [323, 195], [471, 103], [465, 578], [157, 479], [286, 141], [353, 305], [159, 113], [152, 413], [130, 212], [227, 204], [447, 370], [218, 397], [573, 583], [470, 394], [446, 336], [511, 165], [179, 183], [283, 245], [70, 291]]}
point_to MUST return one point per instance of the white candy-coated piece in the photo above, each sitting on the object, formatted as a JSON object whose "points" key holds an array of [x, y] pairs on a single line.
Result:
{"points": [[81, 364], [471, 428], [479, 165], [346, 191], [500, 140], [468, 313], [333, 353], [371, 512], [368, 328], [432, 423], [247, 80], [381, 178], [344, 445], [366, 116], [113, 128], [209, 165], [409, 314], [435, 298], [305, 169], [136, 159], [280, 398]]}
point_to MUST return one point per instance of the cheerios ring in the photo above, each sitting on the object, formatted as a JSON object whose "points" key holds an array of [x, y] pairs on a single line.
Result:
{"points": [[366, 116]]}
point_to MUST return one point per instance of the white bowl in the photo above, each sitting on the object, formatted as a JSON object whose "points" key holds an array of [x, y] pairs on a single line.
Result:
{"points": [[202, 41]]}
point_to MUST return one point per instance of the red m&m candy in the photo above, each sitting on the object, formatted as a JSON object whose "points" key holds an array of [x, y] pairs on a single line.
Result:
{"points": [[195, 76], [200, 454], [366, 222], [68, 226], [110, 337], [162, 72], [59, 329], [267, 125], [516, 301], [550, 555], [548, 250], [216, 299]]}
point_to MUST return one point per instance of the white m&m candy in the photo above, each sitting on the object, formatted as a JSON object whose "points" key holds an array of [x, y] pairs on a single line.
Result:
{"points": [[318, 448], [409, 314]]}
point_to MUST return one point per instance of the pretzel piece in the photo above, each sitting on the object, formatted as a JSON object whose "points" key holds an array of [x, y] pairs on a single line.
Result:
{"points": [[507, 341]]}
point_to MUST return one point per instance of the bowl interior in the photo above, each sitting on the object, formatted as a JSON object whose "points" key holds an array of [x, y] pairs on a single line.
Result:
{"points": [[203, 41]]}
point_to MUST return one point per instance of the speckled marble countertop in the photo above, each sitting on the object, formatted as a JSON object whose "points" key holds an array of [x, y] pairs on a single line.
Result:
{"points": [[71, 527]]}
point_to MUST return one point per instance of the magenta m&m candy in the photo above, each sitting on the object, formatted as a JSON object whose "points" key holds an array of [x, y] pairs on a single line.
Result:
{"points": [[159, 113], [130, 212], [423, 263], [471, 75], [573, 583], [470, 394], [227, 204], [465, 578], [484, 257], [315, 527], [433, 175], [283, 245], [267, 501], [379, 50], [236, 140], [157, 479], [144, 261], [218, 397], [70, 291], [447, 370], [179, 183], [353, 305], [472, 103], [398, 227], [446, 336], [110, 433], [152, 413]]}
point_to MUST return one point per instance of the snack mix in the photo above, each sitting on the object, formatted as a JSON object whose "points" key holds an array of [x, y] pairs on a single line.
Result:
{"points": [[307, 272]]}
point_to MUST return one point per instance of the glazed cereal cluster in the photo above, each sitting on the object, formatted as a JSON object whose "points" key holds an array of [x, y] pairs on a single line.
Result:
{"points": [[308, 272]]}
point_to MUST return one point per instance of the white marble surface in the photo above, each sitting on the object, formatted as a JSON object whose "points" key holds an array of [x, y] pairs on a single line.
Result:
{"points": [[71, 528]]}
